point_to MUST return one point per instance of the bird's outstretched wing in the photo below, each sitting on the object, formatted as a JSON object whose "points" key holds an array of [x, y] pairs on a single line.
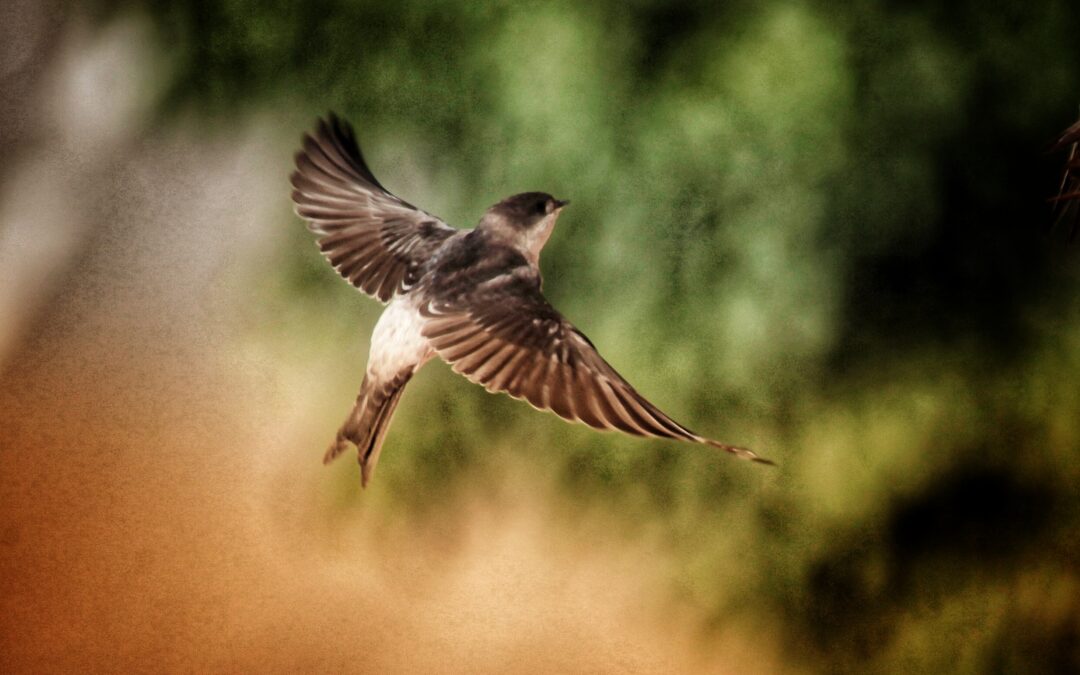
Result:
{"points": [[507, 337], [371, 237], [1067, 202]]}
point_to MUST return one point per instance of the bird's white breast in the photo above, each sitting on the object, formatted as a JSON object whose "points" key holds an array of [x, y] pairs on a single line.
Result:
{"points": [[396, 343]]}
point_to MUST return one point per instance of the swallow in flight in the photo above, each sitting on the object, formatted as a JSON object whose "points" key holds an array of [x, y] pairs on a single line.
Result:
{"points": [[470, 297]]}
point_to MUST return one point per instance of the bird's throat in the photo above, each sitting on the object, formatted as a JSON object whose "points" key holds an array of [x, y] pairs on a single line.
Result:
{"points": [[533, 240]]}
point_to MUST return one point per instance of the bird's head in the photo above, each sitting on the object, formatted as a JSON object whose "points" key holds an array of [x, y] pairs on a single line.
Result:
{"points": [[524, 221]]}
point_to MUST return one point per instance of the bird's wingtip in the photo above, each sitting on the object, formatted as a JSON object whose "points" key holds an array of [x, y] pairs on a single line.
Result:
{"points": [[741, 453]]}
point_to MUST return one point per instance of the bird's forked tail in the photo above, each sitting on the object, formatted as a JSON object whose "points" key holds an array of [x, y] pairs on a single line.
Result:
{"points": [[367, 423]]}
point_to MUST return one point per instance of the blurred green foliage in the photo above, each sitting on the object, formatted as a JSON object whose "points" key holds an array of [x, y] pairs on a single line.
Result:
{"points": [[813, 228]]}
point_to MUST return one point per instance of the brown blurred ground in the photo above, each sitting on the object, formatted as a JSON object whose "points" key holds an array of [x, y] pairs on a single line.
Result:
{"points": [[158, 517]]}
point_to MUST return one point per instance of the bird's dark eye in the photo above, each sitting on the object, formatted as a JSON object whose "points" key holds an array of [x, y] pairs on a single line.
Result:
{"points": [[541, 206]]}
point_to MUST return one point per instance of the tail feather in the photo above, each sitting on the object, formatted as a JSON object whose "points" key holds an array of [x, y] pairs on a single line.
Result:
{"points": [[368, 422]]}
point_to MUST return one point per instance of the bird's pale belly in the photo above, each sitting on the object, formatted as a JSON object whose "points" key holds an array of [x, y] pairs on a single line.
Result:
{"points": [[396, 343]]}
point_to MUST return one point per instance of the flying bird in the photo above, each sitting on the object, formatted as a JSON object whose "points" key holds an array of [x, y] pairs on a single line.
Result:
{"points": [[471, 297]]}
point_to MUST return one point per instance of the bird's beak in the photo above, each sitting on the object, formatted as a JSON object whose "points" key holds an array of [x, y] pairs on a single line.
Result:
{"points": [[559, 203]]}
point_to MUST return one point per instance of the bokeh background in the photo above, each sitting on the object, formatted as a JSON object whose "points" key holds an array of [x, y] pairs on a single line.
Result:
{"points": [[817, 229]]}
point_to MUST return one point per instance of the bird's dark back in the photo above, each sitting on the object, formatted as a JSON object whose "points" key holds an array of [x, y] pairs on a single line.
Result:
{"points": [[464, 263]]}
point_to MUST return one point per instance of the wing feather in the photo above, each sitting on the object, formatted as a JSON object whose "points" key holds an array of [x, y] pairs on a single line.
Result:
{"points": [[508, 338], [371, 237]]}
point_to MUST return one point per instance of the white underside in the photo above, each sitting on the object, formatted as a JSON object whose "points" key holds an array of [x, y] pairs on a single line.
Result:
{"points": [[396, 342]]}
